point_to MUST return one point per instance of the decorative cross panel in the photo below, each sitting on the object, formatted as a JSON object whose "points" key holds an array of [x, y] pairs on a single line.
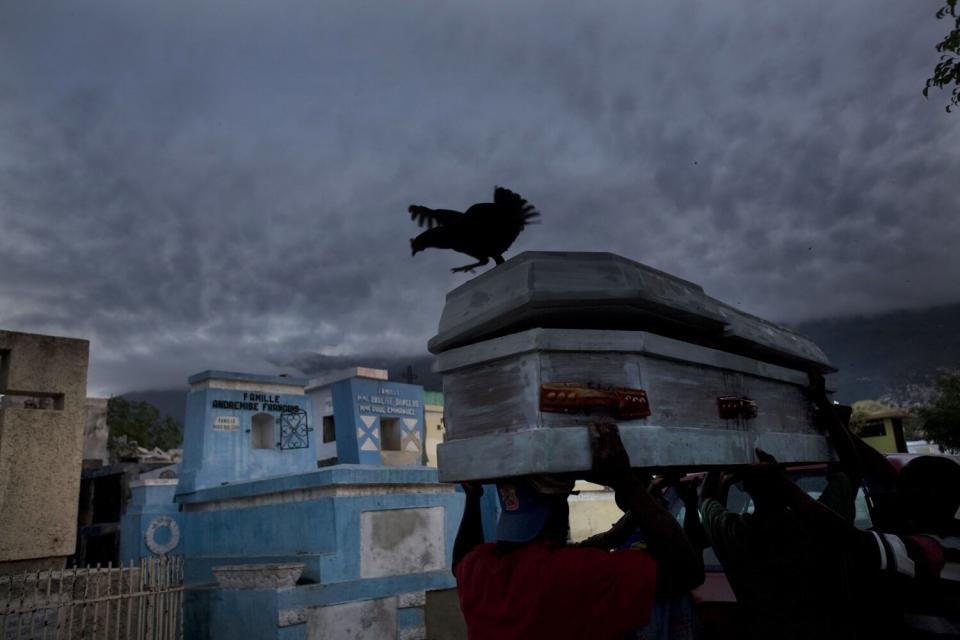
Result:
{"points": [[368, 435], [294, 430], [410, 441]]}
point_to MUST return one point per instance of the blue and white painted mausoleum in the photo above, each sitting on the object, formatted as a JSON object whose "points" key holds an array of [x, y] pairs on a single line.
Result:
{"points": [[304, 509]]}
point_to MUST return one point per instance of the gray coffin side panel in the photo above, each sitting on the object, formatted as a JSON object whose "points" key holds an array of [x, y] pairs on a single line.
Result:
{"points": [[597, 341], [567, 450], [495, 428]]}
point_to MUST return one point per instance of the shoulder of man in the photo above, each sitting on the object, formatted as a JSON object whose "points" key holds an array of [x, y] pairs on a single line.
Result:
{"points": [[919, 556], [940, 553], [933, 606], [480, 555]]}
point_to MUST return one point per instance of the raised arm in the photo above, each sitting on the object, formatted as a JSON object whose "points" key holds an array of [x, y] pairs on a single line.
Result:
{"points": [[716, 486], [679, 567], [862, 463], [828, 524], [692, 526], [470, 533], [614, 536]]}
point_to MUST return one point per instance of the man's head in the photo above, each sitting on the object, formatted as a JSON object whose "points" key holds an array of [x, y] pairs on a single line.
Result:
{"points": [[533, 507], [928, 492]]}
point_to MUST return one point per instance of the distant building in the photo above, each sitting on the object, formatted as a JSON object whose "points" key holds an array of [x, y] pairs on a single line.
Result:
{"points": [[432, 425], [883, 430], [924, 446]]}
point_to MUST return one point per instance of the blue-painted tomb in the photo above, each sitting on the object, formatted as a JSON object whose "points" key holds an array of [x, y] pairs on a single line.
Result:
{"points": [[304, 511]]}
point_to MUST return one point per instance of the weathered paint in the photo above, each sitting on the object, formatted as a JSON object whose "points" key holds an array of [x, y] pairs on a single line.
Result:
{"points": [[363, 620], [398, 541]]}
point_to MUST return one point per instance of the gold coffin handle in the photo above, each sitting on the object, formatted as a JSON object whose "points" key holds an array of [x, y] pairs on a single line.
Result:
{"points": [[572, 397]]}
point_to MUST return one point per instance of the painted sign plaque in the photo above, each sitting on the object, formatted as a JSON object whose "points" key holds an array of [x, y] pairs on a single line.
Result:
{"points": [[388, 402], [226, 423]]}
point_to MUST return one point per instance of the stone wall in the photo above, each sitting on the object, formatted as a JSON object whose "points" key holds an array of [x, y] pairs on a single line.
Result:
{"points": [[44, 381]]}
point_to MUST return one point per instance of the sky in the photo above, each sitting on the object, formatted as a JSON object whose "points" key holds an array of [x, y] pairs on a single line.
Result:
{"points": [[223, 185]]}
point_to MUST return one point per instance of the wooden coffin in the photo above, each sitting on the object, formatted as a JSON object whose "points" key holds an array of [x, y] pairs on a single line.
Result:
{"points": [[691, 381]]}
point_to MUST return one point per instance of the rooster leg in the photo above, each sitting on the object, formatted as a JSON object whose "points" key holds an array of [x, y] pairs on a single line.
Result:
{"points": [[498, 258], [471, 267]]}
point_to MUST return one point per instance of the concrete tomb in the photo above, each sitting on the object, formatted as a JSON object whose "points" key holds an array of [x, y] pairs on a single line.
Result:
{"points": [[367, 419], [43, 384], [304, 509]]}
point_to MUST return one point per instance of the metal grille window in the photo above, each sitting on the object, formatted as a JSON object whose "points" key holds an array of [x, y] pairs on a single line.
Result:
{"points": [[294, 430]]}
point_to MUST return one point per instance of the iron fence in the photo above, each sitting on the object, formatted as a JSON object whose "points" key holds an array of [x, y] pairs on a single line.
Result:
{"points": [[139, 601]]}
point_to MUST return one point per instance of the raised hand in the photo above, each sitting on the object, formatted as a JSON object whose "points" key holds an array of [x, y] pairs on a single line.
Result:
{"points": [[611, 464]]}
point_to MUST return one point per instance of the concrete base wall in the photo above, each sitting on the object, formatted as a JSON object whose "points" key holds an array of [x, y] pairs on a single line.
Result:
{"points": [[55, 563], [442, 616], [370, 541]]}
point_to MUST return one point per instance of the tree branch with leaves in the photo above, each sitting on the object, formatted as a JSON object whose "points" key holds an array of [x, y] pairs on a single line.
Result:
{"points": [[141, 422], [941, 420], [947, 71]]}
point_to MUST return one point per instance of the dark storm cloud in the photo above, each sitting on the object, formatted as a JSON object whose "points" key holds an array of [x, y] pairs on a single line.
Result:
{"points": [[223, 184]]}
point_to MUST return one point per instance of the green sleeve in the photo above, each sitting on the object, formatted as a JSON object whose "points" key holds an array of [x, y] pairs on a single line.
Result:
{"points": [[723, 527]]}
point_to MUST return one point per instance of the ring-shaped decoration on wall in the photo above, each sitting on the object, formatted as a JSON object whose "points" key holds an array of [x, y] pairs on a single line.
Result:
{"points": [[150, 535]]}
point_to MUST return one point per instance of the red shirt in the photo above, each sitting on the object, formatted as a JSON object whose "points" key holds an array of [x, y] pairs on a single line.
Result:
{"points": [[545, 590]]}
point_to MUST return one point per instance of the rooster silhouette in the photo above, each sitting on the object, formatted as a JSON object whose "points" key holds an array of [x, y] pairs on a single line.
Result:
{"points": [[483, 231]]}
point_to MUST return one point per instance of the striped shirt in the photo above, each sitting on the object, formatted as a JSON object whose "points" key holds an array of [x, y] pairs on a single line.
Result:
{"points": [[925, 570]]}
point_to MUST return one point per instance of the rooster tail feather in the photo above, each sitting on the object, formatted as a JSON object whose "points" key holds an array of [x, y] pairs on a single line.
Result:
{"points": [[514, 206]]}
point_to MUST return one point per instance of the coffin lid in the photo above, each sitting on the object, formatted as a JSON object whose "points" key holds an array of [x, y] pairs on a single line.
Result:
{"points": [[579, 290]]}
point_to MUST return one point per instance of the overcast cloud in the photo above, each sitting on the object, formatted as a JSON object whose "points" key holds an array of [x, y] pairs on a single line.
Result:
{"points": [[196, 185]]}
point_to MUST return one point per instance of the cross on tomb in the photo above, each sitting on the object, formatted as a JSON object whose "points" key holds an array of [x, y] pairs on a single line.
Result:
{"points": [[409, 376]]}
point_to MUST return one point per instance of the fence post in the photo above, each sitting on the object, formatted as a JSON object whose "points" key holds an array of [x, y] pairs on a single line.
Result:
{"points": [[129, 597], [70, 607]]}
